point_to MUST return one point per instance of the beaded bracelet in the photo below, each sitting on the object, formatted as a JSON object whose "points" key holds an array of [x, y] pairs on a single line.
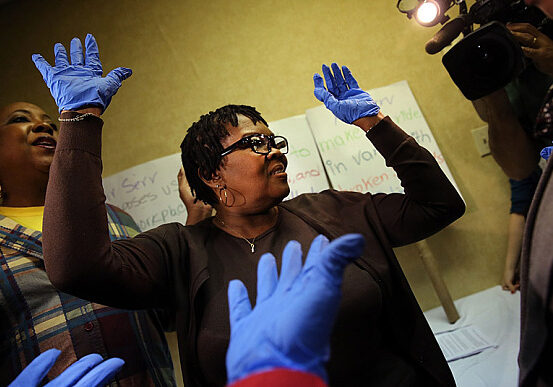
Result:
{"points": [[77, 118]]}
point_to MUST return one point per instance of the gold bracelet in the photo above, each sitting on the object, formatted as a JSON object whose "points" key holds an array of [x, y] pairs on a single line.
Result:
{"points": [[77, 118]]}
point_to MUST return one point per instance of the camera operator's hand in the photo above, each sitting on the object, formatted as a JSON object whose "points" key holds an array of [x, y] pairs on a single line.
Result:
{"points": [[535, 45]]}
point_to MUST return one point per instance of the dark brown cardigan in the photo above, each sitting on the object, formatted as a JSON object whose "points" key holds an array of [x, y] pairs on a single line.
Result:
{"points": [[165, 267]]}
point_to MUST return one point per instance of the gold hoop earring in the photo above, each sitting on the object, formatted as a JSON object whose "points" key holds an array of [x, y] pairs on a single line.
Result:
{"points": [[226, 197]]}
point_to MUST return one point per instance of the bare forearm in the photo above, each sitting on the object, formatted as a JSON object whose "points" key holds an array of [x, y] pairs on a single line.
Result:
{"points": [[514, 242], [366, 123], [511, 147], [92, 110], [513, 150]]}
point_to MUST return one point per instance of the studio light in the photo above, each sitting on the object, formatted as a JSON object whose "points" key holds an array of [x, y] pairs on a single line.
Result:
{"points": [[427, 13], [488, 57]]}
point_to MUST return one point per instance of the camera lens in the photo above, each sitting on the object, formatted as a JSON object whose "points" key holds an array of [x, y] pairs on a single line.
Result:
{"points": [[484, 61], [490, 58]]}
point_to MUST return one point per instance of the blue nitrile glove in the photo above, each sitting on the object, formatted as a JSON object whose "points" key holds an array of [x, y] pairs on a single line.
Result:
{"points": [[344, 98], [88, 371], [291, 323], [80, 83], [546, 152]]}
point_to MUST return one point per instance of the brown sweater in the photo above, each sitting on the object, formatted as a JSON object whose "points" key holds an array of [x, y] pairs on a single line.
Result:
{"points": [[381, 336]]}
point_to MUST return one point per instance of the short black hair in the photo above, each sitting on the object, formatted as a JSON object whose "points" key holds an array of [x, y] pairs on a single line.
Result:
{"points": [[201, 148]]}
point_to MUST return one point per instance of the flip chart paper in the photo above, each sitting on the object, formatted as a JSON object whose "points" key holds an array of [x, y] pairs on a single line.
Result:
{"points": [[351, 161]]}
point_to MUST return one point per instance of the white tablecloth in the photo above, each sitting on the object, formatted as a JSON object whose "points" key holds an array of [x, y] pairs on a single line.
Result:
{"points": [[497, 314]]}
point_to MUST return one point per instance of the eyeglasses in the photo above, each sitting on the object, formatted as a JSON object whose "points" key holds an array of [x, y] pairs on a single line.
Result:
{"points": [[259, 143]]}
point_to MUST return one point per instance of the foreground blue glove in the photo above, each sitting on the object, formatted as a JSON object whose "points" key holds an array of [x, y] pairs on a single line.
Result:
{"points": [[344, 98], [80, 83], [88, 371], [291, 323]]}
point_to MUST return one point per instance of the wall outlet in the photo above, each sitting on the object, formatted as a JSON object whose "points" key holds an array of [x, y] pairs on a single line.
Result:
{"points": [[480, 136]]}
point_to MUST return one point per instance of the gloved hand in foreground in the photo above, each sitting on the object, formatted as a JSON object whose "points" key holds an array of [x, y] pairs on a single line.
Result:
{"points": [[344, 98], [88, 371], [80, 84], [291, 323]]}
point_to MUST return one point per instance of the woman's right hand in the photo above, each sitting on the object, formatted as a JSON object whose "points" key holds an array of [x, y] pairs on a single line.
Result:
{"points": [[80, 84]]}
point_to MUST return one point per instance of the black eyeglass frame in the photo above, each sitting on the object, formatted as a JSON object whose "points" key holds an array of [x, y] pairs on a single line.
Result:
{"points": [[271, 143]]}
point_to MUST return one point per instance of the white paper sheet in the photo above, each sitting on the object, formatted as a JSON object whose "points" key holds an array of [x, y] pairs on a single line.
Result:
{"points": [[462, 342], [497, 314]]}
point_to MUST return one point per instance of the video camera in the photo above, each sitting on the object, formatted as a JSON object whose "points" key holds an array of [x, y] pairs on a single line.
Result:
{"points": [[488, 58]]}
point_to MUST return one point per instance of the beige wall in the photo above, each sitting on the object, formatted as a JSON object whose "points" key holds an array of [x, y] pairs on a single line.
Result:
{"points": [[189, 57]]}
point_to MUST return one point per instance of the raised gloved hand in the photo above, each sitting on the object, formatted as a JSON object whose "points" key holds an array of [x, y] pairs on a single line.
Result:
{"points": [[344, 98], [291, 323], [88, 371], [80, 84]]}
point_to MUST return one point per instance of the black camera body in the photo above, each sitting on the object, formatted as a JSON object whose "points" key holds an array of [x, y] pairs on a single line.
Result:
{"points": [[484, 61], [487, 59], [505, 11]]}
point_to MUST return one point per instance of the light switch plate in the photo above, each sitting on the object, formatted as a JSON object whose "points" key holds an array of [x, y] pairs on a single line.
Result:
{"points": [[480, 136]]}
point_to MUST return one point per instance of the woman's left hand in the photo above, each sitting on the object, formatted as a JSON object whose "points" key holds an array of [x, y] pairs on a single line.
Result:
{"points": [[196, 209], [80, 84], [535, 45], [344, 98]]}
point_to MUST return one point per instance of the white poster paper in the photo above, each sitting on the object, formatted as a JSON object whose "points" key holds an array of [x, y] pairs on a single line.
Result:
{"points": [[305, 169], [351, 161], [149, 192]]}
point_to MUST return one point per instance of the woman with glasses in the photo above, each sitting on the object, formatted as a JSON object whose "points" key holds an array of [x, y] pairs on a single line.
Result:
{"points": [[235, 163]]}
